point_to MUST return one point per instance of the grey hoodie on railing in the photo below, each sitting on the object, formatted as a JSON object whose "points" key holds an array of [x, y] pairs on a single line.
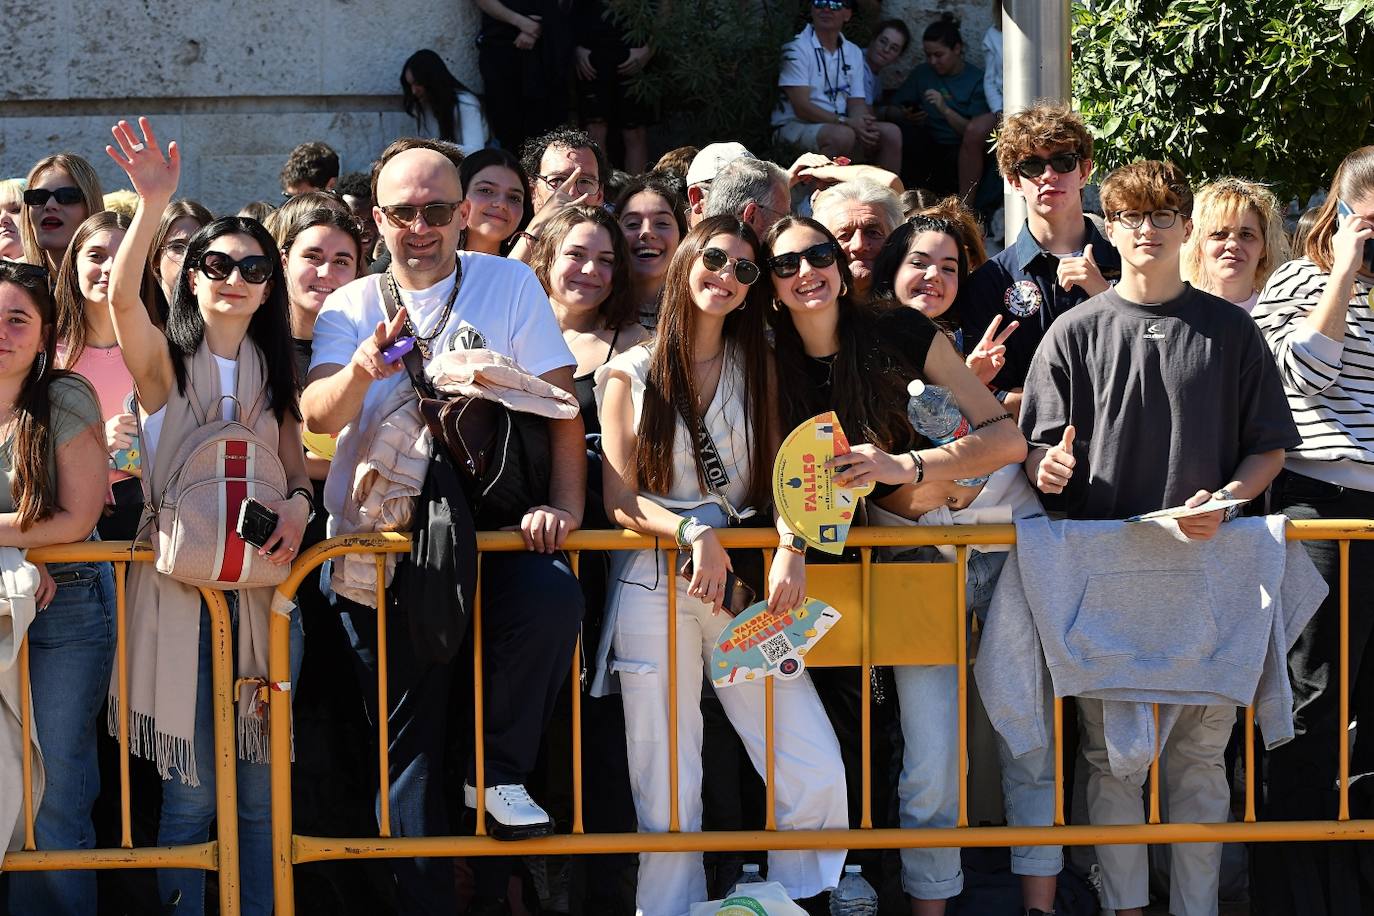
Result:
{"points": [[1136, 614]]}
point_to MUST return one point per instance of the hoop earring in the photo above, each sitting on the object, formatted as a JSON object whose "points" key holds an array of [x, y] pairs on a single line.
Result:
{"points": [[775, 305], [42, 363], [844, 288]]}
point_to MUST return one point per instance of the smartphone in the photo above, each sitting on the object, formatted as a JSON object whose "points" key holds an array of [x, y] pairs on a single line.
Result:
{"points": [[1343, 209], [256, 522], [738, 595], [398, 349]]}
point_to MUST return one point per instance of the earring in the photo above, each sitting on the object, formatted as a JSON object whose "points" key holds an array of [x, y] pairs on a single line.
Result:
{"points": [[775, 305], [844, 288], [42, 363]]}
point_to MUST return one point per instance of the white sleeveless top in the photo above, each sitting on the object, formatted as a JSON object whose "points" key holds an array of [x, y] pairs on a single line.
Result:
{"points": [[725, 420]]}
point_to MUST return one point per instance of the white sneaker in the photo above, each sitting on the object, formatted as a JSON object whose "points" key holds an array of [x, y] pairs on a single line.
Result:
{"points": [[511, 813]]}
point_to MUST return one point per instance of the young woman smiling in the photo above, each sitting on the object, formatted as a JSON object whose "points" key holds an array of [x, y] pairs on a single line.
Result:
{"points": [[496, 193], [1237, 240], [61, 191], [652, 217]]}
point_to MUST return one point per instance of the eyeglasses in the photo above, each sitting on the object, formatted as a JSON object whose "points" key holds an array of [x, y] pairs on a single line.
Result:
{"points": [[746, 271], [403, 215], [587, 184], [818, 256], [1034, 166], [37, 197], [175, 250], [1134, 219], [255, 269]]}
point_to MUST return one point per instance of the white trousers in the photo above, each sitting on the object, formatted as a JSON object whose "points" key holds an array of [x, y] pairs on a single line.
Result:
{"points": [[810, 778]]}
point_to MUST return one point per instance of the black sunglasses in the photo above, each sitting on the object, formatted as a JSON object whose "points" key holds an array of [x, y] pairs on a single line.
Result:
{"points": [[1034, 166], [746, 271], [818, 256], [254, 269], [37, 197], [403, 215]]}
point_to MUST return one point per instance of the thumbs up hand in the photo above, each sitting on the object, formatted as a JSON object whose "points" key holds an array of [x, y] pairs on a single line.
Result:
{"points": [[1082, 271], [1057, 466]]}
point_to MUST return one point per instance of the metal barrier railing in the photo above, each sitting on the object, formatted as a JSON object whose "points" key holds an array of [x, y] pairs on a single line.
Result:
{"points": [[218, 855], [907, 613]]}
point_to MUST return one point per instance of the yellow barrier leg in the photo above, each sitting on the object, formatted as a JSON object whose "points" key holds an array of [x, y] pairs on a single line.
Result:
{"points": [[1343, 737], [126, 838], [961, 641], [226, 753], [574, 560], [674, 824], [383, 709]]}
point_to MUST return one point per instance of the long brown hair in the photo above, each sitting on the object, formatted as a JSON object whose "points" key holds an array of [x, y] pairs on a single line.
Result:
{"points": [[33, 489], [1354, 180], [83, 177], [70, 327], [618, 308], [177, 210], [868, 377], [670, 371]]}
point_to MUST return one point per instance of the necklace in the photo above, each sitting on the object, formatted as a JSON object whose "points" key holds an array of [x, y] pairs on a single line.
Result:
{"points": [[709, 360], [422, 343]]}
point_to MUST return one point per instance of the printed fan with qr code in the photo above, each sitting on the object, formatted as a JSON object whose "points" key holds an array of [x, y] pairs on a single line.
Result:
{"points": [[803, 488], [758, 644]]}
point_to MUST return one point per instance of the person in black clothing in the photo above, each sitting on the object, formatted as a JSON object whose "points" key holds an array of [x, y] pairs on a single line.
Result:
{"points": [[524, 53], [606, 63]]}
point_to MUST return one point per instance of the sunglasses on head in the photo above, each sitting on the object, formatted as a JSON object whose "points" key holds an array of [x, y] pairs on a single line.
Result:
{"points": [[1034, 166], [818, 256], [402, 216], [37, 197], [255, 269], [746, 271], [830, 4]]}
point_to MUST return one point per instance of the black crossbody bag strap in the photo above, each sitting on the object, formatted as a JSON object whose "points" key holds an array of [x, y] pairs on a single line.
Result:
{"points": [[713, 468], [414, 362]]}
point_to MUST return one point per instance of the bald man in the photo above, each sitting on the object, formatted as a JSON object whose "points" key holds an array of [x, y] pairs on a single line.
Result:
{"points": [[452, 299]]}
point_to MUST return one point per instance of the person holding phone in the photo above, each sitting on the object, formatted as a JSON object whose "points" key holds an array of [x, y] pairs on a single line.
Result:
{"points": [[1315, 315], [227, 333], [706, 378]]}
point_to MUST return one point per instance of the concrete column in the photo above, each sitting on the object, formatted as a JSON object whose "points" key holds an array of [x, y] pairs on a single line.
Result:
{"points": [[1035, 65]]}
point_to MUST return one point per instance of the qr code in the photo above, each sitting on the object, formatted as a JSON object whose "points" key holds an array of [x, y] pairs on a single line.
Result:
{"points": [[775, 648]]}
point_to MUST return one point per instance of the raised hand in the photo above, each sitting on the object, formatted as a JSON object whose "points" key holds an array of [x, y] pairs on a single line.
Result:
{"points": [[153, 175], [990, 355], [1057, 466]]}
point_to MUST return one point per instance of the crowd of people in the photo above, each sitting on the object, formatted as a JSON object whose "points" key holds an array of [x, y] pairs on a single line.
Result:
{"points": [[652, 344]]}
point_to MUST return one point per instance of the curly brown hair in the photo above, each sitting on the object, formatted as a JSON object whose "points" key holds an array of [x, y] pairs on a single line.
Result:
{"points": [[1044, 125]]}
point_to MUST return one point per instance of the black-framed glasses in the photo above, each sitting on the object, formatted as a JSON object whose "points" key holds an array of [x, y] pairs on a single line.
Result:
{"points": [[746, 271], [1163, 218], [818, 256], [830, 4], [1034, 166], [38, 197], [402, 216], [586, 184], [255, 269]]}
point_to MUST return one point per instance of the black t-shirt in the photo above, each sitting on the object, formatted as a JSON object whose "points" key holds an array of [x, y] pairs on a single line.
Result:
{"points": [[1166, 399]]}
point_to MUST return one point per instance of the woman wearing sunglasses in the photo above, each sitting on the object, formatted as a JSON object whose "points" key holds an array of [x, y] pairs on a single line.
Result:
{"points": [[834, 354], [706, 377], [62, 190], [227, 333]]}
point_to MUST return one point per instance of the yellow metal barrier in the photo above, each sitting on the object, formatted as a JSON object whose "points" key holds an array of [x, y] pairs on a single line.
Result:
{"points": [[220, 855], [893, 614]]}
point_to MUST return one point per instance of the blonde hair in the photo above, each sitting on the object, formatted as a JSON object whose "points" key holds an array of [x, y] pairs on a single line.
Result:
{"points": [[84, 177], [12, 188], [1220, 203]]}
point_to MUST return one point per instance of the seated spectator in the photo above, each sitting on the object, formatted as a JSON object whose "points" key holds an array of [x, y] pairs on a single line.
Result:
{"points": [[1145, 347], [181, 220], [651, 216], [496, 195], [356, 193], [992, 61], [891, 38], [702, 171], [944, 138], [312, 166], [528, 646], [824, 107], [443, 108], [565, 166], [606, 66], [752, 190], [1237, 240], [11, 215], [60, 193], [861, 215]]}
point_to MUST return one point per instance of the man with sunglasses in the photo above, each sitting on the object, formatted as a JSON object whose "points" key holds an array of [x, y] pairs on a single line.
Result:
{"points": [[1060, 259], [452, 300]]}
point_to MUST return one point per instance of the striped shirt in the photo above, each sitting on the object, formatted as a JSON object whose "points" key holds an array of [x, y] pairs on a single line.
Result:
{"points": [[1329, 383]]}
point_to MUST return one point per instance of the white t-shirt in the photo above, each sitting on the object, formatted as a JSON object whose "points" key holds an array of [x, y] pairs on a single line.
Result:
{"points": [[835, 77], [228, 384], [501, 306], [992, 68]]}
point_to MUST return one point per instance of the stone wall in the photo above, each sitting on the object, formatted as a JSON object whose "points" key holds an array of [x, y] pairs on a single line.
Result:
{"points": [[238, 83]]}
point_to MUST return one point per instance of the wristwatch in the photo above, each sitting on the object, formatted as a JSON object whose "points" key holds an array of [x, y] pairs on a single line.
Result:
{"points": [[794, 543], [1231, 511]]}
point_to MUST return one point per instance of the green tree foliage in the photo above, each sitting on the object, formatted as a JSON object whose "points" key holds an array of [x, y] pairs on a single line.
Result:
{"points": [[1277, 90]]}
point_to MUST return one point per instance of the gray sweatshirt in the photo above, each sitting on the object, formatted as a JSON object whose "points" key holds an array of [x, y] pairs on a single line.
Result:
{"points": [[1136, 614]]}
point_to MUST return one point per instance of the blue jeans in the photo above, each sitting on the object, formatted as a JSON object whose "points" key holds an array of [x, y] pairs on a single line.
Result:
{"points": [[188, 811], [71, 651]]}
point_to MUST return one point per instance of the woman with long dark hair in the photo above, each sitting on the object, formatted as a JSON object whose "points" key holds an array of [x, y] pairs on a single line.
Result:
{"points": [[707, 374], [443, 108], [496, 192], [226, 353], [653, 216], [52, 462]]}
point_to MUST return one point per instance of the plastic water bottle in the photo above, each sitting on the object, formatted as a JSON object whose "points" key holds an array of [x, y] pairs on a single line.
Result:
{"points": [[934, 414], [749, 874], [854, 896]]}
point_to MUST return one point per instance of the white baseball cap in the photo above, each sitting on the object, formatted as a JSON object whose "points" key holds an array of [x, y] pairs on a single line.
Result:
{"points": [[714, 157]]}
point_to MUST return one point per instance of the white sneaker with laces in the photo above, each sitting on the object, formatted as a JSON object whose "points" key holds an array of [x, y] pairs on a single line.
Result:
{"points": [[511, 813]]}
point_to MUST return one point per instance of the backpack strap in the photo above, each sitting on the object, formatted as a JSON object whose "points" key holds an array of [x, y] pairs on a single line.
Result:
{"points": [[414, 362]]}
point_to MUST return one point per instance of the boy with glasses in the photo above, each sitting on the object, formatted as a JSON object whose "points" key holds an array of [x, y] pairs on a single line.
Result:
{"points": [[1045, 152], [1151, 395]]}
